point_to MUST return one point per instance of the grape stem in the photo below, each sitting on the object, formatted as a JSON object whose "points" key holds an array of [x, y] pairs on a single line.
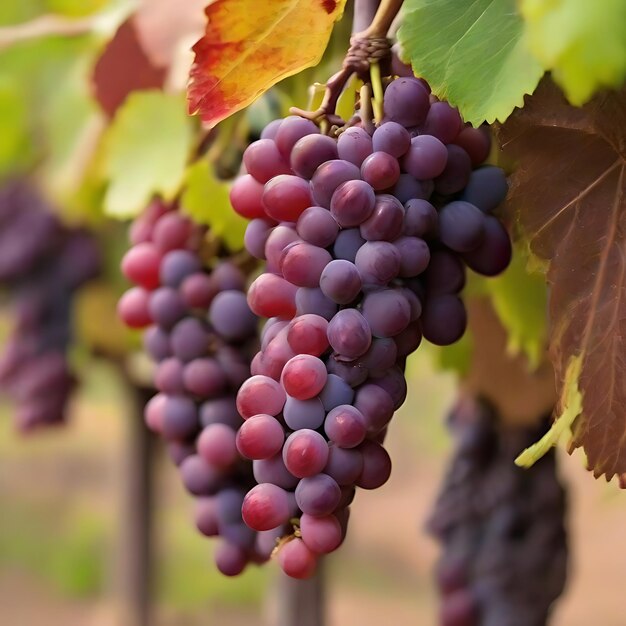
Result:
{"points": [[368, 48]]}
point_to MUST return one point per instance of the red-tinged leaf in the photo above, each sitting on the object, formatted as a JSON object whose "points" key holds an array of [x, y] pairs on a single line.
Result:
{"points": [[569, 193], [122, 68], [250, 46]]}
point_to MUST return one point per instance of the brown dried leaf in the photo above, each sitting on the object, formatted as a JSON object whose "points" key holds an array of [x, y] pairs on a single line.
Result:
{"points": [[569, 195]]}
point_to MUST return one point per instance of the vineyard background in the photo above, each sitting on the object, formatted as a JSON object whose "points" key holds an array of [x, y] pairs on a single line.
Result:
{"points": [[61, 529]]}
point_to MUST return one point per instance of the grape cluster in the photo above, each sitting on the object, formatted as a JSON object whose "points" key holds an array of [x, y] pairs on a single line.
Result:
{"points": [[504, 560], [202, 336], [42, 264], [365, 240]]}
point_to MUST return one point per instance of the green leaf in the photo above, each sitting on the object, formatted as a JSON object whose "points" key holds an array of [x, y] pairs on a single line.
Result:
{"points": [[146, 151], [456, 357], [206, 201], [520, 300], [582, 43], [472, 53], [571, 409]]}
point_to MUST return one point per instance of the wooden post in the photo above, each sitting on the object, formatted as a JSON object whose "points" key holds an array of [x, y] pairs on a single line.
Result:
{"points": [[136, 564], [302, 602]]}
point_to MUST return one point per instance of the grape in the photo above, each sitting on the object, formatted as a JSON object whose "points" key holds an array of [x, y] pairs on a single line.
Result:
{"points": [[461, 226], [166, 307], [445, 273], [270, 296], [199, 478], [176, 266], [354, 145], [394, 383], [310, 152], [409, 339], [304, 376], [198, 291], [376, 407], [156, 342], [271, 329], [340, 281], [260, 394], [153, 412], [302, 264], [392, 138], [273, 470], [380, 170], [230, 559], [336, 391], [255, 238], [317, 226], [133, 308], [171, 231], [305, 453], [314, 301], [387, 312], [352, 203], [456, 174], [420, 218], [216, 445], [349, 334], [292, 129], [443, 122], [285, 197], [180, 417], [414, 256], [329, 176], [204, 377], [220, 411], [141, 265], [486, 188], [345, 426], [406, 102], [444, 319], [426, 158], [459, 609], [318, 495], [206, 516], [494, 253], [353, 373], [320, 534], [347, 244], [269, 132], [296, 559], [386, 222], [307, 334], [169, 377], [228, 277], [265, 506], [398, 66], [376, 466], [260, 437], [189, 339], [263, 160], [246, 197], [381, 355], [344, 465], [476, 142], [378, 262], [142, 229], [300, 414], [408, 188], [230, 316]]}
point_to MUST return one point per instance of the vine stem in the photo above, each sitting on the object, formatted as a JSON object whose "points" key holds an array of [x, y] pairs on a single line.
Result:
{"points": [[377, 88], [385, 15]]}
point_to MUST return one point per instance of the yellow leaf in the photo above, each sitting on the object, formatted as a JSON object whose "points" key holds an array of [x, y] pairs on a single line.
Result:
{"points": [[250, 46]]}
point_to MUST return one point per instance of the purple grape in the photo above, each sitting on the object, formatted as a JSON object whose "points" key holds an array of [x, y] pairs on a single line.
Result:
{"points": [[406, 102], [409, 339], [352, 203], [217, 446], [255, 238], [189, 339], [263, 160], [457, 172], [273, 470], [386, 222], [340, 281], [353, 372], [380, 356], [420, 218], [376, 407], [376, 466], [426, 158], [317, 226], [443, 319], [314, 301], [445, 273], [408, 188], [204, 377], [290, 131], [486, 188], [394, 383], [310, 152], [318, 495], [180, 418], [329, 176], [387, 312], [414, 256], [392, 138], [199, 478], [344, 465], [461, 226], [300, 414], [168, 377], [336, 391], [230, 559], [349, 334], [378, 262], [443, 122], [494, 253], [156, 342], [231, 316], [354, 145], [347, 244], [177, 265], [166, 307], [380, 170], [346, 426], [320, 534], [220, 411]]}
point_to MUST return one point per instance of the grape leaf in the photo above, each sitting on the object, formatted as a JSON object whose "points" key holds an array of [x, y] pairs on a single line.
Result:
{"points": [[569, 193], [248, 47], [206, 201], [123, 67], [146, 150], [582, 43], [473, 54]]}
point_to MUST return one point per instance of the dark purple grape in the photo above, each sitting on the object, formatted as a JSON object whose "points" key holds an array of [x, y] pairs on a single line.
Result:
{"points": [[461, 226], [443, 319]]}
